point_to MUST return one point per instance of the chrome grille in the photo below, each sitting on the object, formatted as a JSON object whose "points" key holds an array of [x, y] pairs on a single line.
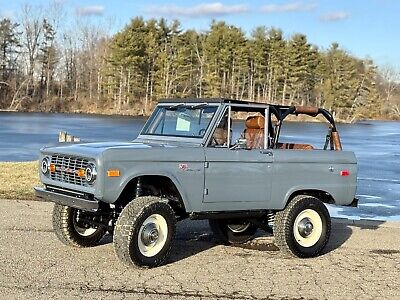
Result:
{"points": [[66, 169]]}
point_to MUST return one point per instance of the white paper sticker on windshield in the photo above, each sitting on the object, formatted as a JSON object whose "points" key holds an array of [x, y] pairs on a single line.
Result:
{"points": [[182, 124]]}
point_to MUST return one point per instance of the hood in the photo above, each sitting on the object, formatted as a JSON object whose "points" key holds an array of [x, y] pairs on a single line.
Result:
{"points": [[93, 150]]}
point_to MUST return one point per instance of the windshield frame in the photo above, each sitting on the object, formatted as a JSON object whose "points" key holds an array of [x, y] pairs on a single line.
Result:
{"points": [[169, 137]]}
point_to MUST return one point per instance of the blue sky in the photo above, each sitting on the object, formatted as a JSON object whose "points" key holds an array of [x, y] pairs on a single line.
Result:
{"points": [[367, 28]]}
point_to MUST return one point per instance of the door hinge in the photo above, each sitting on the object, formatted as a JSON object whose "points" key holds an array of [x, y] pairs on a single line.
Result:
{"points": [[205, 191], [206, 164]]}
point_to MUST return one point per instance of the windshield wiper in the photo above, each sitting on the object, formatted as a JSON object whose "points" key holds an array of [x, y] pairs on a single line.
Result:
{"points": [[196, 106], [175, 106]]}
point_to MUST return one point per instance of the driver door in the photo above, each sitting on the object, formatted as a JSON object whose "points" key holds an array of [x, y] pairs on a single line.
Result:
{"points": [[237, 179]]}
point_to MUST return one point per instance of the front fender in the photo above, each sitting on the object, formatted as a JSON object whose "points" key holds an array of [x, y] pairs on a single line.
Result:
{"points": [[114, 186]]}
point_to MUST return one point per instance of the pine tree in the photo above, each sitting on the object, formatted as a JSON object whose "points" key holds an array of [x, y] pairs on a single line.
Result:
{"points": [[9, 49]]}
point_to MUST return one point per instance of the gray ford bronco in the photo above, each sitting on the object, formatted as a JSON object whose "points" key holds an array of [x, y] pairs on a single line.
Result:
{"points": [[217, 159]]}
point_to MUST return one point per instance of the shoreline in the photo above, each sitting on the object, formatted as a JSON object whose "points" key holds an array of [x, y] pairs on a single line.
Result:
{"points": [[140, 115], [19, 178]]}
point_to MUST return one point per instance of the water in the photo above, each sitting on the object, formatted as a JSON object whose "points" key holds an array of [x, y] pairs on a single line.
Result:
{"points": [[23, 134], [375, 143]]}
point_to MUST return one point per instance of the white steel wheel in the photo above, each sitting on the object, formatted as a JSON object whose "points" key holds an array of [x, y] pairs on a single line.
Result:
{"points": [[303, 228], [239, 228], [232, 231], [144, 232], [81, 230], [152, 235], [71, 231], [307, 228]]}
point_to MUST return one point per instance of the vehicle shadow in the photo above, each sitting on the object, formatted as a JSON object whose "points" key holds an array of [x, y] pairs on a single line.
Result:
{"points": [[192, 237], [341, 231]]}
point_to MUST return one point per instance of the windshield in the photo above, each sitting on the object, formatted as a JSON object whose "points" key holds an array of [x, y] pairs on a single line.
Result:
{"points": [[180, 120]]}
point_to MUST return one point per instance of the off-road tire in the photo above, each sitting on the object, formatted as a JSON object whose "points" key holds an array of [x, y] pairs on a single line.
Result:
{"points": [[128, 227], [65, 230], [226, 236], [284, 231]]}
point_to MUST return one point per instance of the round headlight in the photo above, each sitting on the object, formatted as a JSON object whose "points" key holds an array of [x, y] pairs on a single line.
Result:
{"points": [[45, 165], [90, 173]]}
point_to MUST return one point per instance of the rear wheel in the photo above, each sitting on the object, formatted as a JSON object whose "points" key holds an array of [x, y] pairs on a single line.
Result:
{"points": [[303, 228], [232, 231], [144, 232], [72, 230]]}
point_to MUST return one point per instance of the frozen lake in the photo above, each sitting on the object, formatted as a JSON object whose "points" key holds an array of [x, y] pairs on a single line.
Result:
{"points": [[375, 143]]}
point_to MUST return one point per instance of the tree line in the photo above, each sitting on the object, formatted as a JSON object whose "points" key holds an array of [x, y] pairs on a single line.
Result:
{"points": [[45, 67]]}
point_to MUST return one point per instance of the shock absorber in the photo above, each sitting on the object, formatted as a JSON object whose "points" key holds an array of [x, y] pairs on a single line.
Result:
{"points": [[138, 190]]}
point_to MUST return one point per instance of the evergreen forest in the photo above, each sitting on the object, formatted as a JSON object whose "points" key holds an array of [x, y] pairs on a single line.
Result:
{"points": [[45, 67]]}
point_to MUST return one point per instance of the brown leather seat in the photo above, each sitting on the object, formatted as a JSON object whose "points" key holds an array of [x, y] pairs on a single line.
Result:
{"points": [[254, 132], [295, 146], [254, 135]]}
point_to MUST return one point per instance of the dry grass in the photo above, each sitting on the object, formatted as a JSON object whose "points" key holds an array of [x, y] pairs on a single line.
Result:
{"points": [[17, 180]]}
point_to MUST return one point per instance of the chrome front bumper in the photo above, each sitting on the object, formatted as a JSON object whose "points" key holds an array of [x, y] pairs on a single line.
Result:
{"points": [[84, 204]]}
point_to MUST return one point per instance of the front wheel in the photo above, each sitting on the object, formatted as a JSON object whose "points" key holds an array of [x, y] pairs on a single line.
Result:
{"points": [[303, 228], [144, 232], [72, 230], [233, 231]]}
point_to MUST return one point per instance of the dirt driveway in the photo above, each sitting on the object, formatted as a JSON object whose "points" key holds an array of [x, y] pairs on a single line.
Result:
{"points": [[362, 261]]}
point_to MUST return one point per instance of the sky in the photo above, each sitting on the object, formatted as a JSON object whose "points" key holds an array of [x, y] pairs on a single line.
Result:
{"points": [[365, 28]]}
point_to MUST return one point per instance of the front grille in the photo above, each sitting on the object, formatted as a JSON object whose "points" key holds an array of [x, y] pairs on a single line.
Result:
{"points": [[67, 169]]}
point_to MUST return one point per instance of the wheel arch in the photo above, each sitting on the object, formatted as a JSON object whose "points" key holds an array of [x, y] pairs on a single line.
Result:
{"points": [[162, 185], [322, 195]]}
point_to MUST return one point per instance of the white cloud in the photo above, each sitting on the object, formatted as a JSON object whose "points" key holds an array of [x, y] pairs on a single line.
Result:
{"points": [[334, 16], [94, 10], [201, 10], [288, 7]]}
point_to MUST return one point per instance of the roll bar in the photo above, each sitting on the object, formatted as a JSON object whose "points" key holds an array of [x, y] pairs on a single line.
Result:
{"points": [[281, 112]]}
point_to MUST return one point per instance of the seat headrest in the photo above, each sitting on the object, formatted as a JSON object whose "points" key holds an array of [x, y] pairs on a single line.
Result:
{"points": [[255, 122]]}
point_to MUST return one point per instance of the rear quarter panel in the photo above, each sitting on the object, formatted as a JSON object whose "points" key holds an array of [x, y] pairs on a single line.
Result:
{"points": [[296, 170]]}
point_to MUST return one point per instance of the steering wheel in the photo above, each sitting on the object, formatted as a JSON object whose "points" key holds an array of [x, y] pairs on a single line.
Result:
{"points": [[202, 131]]}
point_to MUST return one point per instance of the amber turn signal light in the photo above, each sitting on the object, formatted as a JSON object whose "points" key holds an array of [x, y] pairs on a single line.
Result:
{"points": [[81, 173], [113, 173]]}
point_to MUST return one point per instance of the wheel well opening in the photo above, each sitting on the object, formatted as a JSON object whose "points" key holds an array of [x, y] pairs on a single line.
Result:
{"points": [[152, 185], [325, 197]]}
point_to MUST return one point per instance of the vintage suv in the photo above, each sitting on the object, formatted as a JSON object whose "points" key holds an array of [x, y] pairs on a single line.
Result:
{"points": [[191, 161]]}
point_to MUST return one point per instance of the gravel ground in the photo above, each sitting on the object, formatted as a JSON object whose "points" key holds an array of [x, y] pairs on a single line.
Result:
{"points": [[362, 261]]}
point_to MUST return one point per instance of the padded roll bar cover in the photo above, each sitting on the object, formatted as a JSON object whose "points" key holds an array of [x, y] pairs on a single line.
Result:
{"points": [[255, 122], [336, 141], [309, 110]]}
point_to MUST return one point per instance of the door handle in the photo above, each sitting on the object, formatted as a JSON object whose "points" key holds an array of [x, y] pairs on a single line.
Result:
{"points": [[267, 152]]}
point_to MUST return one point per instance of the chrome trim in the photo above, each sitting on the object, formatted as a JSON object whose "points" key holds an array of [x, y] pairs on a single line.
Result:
{"points": [[45, 165], [63, 191], [228, 143], [67, 167], [91, 173]]}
